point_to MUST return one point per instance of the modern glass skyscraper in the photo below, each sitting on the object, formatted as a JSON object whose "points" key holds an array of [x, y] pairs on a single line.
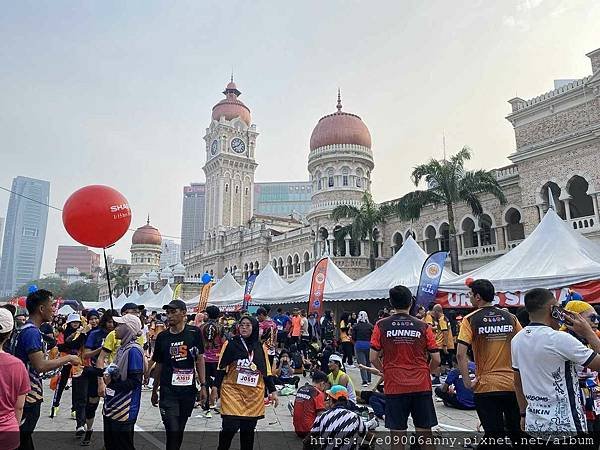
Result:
{"points": [[24, 233], [192, 220], [282, 198]]}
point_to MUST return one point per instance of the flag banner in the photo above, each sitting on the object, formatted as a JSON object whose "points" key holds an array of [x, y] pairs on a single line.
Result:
{"points": [[177, 291], [431, 273], [248, 291], [317, 286], [589, 290], [204, 296]]}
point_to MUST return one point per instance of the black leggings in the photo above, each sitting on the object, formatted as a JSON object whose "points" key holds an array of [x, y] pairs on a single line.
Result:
{"points": [[80, 396], [499, 414], [230, 427], [174, 427], [347, 350], [65, 373], [118, 435]]}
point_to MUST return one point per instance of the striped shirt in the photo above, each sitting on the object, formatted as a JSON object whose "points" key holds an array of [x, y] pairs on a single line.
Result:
{"points": [[338, 429]]}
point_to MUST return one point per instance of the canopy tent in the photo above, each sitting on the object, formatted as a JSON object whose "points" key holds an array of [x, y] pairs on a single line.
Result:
{"points": [[552, 256], [162, 298], [120, 301], [91, 305], [226, 289], [65, 310], [267, 282], [146, 298], [403, 268], [133, 297], [298, 291]]}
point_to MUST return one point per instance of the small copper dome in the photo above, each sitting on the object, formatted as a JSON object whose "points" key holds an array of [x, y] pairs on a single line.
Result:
{"points": [[230, 107], [340, 128], [146, 235]]}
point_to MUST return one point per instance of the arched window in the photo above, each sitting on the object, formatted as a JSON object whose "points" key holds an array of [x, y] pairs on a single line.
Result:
{"points": [[306, 262], [275, 264], [556, 191], [445, 237], [290, 265], [237, 189], [359, 177], [581, 204], [487, 234], [345, 176], [397, 242], [280, 266], [330, 178], [296, 263], [514, 228], [318, 177], [226, 187], [431, 244], [245, 191], [470, 236], [256, 268]]}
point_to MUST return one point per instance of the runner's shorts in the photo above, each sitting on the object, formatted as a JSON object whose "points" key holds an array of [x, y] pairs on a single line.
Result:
{"points": [[176, 404], [419, 405]]}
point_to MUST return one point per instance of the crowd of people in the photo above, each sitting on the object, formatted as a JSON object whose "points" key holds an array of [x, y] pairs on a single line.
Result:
{"points": [[535, 373]]}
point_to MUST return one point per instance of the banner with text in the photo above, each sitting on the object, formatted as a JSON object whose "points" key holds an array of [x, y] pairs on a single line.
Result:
{"points": [[204, 296], [317, 286], [431, 274]]}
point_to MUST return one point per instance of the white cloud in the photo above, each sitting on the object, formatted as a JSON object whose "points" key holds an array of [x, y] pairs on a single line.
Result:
{"points": [[528, 5]]}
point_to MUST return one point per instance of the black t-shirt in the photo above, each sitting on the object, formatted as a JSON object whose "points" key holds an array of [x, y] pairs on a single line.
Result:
{"points": [[177, 353]]}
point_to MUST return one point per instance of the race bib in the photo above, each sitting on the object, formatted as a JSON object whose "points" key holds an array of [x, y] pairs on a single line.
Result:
{"points": [[182, 377], [248, 378], [279, 327], [109, 392]]}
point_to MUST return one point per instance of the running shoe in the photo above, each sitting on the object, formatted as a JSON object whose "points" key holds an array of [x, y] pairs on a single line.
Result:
{"points": [[53, 412], [436, 381], [80, 432], [73, 415], [208, 414], [87, 438]]}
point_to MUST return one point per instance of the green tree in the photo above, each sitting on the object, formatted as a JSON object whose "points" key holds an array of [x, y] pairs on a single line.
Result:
{"points": [[364, 221], [449, 184], [82, 291], [119, 278], [54, 285]]}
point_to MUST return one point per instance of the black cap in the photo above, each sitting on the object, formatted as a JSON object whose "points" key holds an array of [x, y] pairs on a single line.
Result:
{"points": [[127, 306], [176, 304]]}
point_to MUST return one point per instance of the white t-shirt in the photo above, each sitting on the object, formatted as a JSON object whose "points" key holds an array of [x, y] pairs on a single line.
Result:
{"points": [[546, 360]]}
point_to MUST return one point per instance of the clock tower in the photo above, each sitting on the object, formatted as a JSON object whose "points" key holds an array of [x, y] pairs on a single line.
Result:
{"points": [[230, 165]]}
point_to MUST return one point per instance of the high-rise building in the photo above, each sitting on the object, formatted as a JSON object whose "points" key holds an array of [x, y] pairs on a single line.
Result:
{"points": [[282, 199], [79, 256], [171, 253], [24, 233], [1, 232], [192, 220]]}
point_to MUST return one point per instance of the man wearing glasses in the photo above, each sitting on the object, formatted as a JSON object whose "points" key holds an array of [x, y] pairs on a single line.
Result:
{"points": [[179, 358]]}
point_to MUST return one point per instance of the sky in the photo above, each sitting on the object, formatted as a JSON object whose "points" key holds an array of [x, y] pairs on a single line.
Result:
{"points": [[120, 93]]}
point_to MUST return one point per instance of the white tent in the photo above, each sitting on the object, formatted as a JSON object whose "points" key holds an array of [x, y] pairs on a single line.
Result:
{"points": [[162, 298], [267, 282], [403, 268], [146, 298], [66, 310], [226, 289], [133, 297], [120, 301], [298, 291], [91, 305], [552, 256]]}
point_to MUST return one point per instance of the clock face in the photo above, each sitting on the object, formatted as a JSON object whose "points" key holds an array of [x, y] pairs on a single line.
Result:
{"points": [[237, 145], [214, 147]]}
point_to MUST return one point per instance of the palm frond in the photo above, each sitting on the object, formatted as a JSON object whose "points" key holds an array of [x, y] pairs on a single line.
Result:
{"points": [[458, 160], [409, 206], [480, 182], [344, 212]]}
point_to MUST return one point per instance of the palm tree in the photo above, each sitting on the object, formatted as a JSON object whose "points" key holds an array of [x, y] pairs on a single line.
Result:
{"points": [[364, 220], [449, 184]]}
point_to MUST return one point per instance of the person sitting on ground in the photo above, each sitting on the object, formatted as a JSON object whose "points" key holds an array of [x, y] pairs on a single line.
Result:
{"points": [[375, 398], [338, 376], [284, 372], [339, 423], [453, 391], [309, 403]]}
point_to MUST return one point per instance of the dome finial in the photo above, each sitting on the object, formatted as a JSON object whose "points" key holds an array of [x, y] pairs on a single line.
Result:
{"points": [[148, 221], [232, 74], [339, 101]]}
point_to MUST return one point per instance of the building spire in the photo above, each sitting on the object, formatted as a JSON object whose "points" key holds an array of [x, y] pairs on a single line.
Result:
{"points": [[232, 74], [148, 221], [339, 101]]}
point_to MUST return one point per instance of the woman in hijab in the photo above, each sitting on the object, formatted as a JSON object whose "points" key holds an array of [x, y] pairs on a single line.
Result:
{"points": [[242, 374], [123, 380], [361, 335]]}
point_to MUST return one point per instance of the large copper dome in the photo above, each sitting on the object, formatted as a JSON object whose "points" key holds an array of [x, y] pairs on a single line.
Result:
{"points": [[146, 235], [230, 107], [340, 128]]}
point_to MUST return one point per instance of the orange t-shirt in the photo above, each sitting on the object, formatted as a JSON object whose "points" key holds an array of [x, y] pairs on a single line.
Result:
{"points": [[296, 325]]}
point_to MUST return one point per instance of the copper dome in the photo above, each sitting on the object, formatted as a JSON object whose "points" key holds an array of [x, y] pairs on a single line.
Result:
{"points": [[340, 128], [146, 235], [230, 107]]}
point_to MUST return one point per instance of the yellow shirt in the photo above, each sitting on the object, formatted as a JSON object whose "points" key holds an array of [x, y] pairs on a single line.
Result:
{"points": [[439, 327], [112, 344]]}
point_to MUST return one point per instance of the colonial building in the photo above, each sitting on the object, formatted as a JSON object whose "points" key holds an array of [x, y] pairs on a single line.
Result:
{"points": [[557, 150]]}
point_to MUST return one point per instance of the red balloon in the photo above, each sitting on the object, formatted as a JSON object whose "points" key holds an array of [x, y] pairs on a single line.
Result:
{"points": [[96, 216], [469, 282]]}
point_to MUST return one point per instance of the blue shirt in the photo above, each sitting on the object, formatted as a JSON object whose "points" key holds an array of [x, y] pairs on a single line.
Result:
{"points": [[122, 400], [29, 340], [281, 321], [463, 395], [95, 340]]}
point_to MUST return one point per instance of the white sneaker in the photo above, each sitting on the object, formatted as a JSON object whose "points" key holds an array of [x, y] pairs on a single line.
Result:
{"points": [[80, 432]]}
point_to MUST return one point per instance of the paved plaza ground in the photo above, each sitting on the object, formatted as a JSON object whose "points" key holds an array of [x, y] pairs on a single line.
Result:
{"points": [[59, 433]]}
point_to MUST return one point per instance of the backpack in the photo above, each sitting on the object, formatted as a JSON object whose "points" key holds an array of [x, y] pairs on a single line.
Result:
{"points": [[14, 339], [212, 334]]}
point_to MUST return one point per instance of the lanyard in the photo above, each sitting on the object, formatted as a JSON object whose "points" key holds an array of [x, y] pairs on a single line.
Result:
{"points": [[250, 354]]}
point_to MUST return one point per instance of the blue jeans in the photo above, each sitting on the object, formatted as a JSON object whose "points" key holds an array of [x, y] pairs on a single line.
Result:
{"points": [[362, 355]]}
